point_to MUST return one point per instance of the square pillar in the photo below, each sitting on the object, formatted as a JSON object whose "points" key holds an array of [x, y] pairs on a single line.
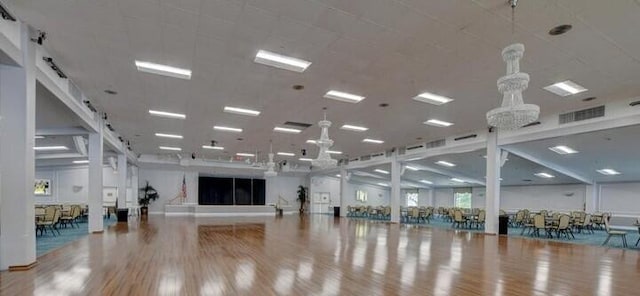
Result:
{"points": [[592, 198], [344, 192], [396, 170], [492, 199], [96, 223], [17, 159]]}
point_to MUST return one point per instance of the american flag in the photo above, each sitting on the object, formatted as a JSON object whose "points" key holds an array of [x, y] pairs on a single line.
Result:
{"points": [[184, 187]]}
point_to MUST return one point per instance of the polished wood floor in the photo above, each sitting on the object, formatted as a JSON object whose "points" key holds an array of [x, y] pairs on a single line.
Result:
{"points": [[317, 255]]}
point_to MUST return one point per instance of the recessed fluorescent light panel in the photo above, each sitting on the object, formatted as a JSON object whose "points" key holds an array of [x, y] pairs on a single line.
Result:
{"points": [[245, 154], [565, 88], [609, 172], [383, 184], [438, 123], [168, 136], [334, 152], [163, 70], [167, 114], [426, 182], [412, 168], [445, 163], [286, 130], [354, 128], [280, 61], [457, 180], [170, 148], [311, 141], [305, 159], [432, 98], [381, 171], [286, 154], [241, 111], [545, 175], [343, 96], [227, 129], [80, 161], [212, 147], [563, 150], [372, 141], [39, 137], [50, 148]]}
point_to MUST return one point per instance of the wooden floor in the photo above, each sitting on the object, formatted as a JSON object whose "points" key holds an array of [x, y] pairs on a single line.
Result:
{"points": [[317, 255]]}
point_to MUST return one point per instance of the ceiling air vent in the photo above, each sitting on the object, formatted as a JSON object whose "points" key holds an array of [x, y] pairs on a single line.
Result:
{"points": [[436, 143], [5, 14], [580, 115], [465, 137], [300, 125]]}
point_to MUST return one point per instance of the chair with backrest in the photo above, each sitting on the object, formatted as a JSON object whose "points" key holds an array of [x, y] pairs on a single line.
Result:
{"points": [[527, 224], [479, 219], [50, 221], [585, 224], [458, 219], [538, 224], [519, 219], [563, 226], [69, 216], [611, 233]]}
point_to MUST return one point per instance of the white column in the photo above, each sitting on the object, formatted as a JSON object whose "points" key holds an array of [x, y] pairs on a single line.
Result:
{"points": [[17, 159], [122, 181], [492, 200], [592, 198], [395, 190], [134, 184], [344, 192], [95, 181], [432, 197]]}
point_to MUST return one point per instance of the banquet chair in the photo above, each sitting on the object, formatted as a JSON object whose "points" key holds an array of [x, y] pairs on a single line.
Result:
{"points": [[563, 227], [538, 224], [612, 233]]}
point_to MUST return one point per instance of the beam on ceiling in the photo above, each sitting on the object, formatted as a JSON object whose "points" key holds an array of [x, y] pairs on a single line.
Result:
{"points": [[81, 144], [59, 155], [448, 173], [558, 168], [62, 131]]}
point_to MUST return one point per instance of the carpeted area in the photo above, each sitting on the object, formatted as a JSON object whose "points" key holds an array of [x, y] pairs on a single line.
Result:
{"points": [[47, 242], [597, 238]]}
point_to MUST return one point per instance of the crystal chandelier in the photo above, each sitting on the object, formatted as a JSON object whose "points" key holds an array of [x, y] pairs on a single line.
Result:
{"points": [[270, 164], [513, 113], [324, 159]]}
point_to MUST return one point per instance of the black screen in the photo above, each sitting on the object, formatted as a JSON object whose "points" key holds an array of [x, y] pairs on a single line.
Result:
{"points": [[243, 191], [215, 191], [258, 192]]}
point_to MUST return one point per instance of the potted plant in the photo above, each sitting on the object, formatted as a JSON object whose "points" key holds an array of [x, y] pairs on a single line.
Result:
{"points": [[302, 197], [148, 194]]}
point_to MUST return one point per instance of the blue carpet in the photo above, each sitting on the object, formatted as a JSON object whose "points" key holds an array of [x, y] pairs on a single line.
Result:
{"points": [[47, 242], [597, 238]]}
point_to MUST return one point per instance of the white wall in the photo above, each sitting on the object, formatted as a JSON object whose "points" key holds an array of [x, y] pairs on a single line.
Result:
{"points": [[620, 198], [376, 195], [168, 183], [69, 184], [285, 187]]}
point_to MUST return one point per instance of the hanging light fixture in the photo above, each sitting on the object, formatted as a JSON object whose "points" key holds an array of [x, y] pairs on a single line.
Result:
{"points": [[324, 159], [270, 164], [513, 113]]}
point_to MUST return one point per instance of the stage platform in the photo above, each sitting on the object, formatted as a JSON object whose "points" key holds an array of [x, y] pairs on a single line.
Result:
{"points": [[223, 211]]}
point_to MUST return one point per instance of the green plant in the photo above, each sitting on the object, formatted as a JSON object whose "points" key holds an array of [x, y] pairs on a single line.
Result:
{"points": [[148, 194], [302, 197]]}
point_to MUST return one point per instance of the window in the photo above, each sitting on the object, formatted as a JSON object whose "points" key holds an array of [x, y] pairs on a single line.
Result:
{"points": [[412, 199], [462, 197]]}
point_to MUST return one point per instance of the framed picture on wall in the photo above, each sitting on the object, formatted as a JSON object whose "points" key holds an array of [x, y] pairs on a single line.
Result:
{"points": [[42, 187], [361, 196]]}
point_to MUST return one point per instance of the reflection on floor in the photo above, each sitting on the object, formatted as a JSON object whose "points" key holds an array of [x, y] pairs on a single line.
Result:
{"points": [[48, 242], [597, 238], [319, 255]]}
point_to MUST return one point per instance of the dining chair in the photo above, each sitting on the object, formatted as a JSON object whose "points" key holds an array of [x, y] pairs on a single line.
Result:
{"points": [[564, 227], [538, 224], [612, 233]]}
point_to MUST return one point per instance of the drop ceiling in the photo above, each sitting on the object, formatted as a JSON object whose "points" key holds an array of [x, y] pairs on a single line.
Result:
{"points": [[388, 51]]}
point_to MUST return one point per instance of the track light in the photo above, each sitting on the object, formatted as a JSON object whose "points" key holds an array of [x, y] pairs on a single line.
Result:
{"points": [[40, 37], [5, 14], [193, 156], [54, 67], [90, 106]]}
